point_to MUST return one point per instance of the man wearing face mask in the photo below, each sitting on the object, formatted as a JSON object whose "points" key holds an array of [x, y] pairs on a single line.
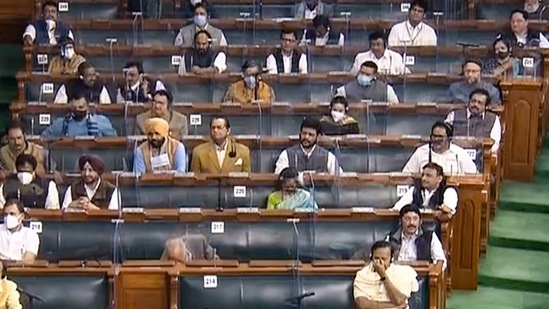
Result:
{"points": [[250, 89], [382, 283], [338, 122], [411, 243], [160, 152], [80, 122], [202, 59], [86, 83], [367, 87], [17, 242], [504, 62], [49, 29], [91, 192], [185, 37], [476, 120], [68, 61], [459, 91], [431, 192], [187, 8], [309, 9], [307, 156], [18, 144], [162, 108], [453, 159], [29, 188]]}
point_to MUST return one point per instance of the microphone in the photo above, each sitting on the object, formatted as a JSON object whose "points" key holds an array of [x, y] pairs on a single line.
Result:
{"points": [[245, 16], [232, 153], [309, 67], [137, 16], [32, 125], [437, 22], [259, 129], [466, 44], [111, 42]]}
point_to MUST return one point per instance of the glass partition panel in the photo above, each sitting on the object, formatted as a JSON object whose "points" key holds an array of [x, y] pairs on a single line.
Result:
{"points": [[88, 10]]}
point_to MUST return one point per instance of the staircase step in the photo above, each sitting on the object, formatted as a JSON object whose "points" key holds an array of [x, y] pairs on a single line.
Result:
{"points": [[492, 298], [515, 269], [524, 197], [520, 230]]}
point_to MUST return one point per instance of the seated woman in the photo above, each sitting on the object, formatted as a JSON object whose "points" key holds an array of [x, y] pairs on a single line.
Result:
{"points": [[503, 62], [338, 122], [9, 296], [288, 194], [188, 247]]}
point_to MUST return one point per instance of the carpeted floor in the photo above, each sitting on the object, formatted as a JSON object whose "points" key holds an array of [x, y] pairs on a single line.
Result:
{"points": [[515, 273]]}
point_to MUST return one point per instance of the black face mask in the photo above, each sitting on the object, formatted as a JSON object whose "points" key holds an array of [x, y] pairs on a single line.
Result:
{"points": [[502, 55], [78, 115]]}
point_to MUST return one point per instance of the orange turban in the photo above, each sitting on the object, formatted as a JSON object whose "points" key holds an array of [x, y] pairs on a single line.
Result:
{"points": [[157, 125]]}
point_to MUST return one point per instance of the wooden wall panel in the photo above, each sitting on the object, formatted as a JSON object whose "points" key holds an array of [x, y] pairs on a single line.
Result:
{"points": [[14, 15]]}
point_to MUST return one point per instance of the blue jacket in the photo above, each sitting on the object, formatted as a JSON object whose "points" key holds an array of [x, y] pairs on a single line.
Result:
{"points": [[92, 125], [61, 32]]}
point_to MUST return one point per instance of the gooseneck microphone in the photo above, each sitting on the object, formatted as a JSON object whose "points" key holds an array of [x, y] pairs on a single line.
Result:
{"points": [[232, 153]]}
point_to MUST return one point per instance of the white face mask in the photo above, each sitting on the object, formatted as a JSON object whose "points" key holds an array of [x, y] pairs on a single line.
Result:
{"points": [[11, 222], [25, 177], [337, 116], [50, 24], [68, 52]]}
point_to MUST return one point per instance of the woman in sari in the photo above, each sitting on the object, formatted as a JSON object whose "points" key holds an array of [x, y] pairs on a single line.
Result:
{"points": [[289, 195]]}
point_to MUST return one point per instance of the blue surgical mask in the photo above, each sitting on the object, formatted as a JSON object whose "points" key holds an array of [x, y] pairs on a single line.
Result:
{"points": [[364, 80], [199, 20], [250, 81]]}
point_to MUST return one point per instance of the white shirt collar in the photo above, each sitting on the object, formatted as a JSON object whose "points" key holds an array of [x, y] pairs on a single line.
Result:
{"points": [[93, 189], [222, 147], [385, 54], [308, 154], [411, 28], [135, 87], [469, 114]]}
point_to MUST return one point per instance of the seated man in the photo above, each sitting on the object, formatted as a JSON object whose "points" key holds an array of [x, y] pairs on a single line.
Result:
{"points": [[411, 243], [367, 87], [250, 89], [202, 59], [453, 159], [80, 122], [536, 9], [68, 61], [321, 34], [520, 34], [476, 120], [87, 84], [29, 188], [388, 61], [307, 156], [48, 30], [338, 122], [17, 242], [431, 192], [17, 145], [413, 31], [187, 248], [383, 284], [185, 37], [159, 152], [222, 154], [162, 108], [287, 58], [458, 92], [91, 192], [309, 9], [136, 88]]}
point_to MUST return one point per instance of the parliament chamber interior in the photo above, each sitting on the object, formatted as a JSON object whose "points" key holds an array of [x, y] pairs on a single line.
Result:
{"points": [[315, 154]]}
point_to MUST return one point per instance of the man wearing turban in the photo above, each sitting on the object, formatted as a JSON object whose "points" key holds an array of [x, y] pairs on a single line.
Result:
{"points": [[90, 191], [160, 152]]}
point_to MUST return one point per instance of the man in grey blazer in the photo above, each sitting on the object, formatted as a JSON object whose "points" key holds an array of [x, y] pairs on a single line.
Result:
{"points": [[185, 37], [162, 107]]}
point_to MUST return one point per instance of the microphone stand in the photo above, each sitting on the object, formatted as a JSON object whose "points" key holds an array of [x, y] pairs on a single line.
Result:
{"points": [[437, 32], [31, 297]]}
